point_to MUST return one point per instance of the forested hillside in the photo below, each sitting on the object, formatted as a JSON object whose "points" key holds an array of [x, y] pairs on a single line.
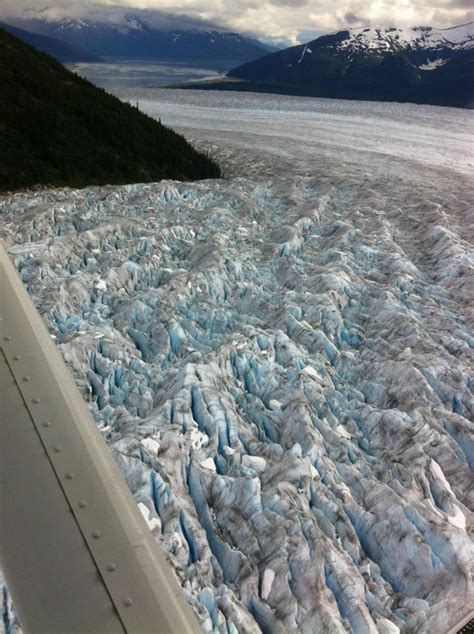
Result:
{"points": [[58, 129]]}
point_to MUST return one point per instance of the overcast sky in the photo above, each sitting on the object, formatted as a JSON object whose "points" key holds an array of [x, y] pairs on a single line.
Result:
{"points": [[290, 20]]}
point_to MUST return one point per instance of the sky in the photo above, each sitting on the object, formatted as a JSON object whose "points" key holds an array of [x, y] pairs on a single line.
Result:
{"points": [[289, 21]]}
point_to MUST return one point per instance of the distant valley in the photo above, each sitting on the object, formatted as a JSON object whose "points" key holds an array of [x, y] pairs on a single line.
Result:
{"points": [[140, 35]]}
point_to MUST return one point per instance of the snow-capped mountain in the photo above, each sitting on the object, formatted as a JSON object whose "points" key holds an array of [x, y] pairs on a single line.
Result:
{"points": [[62, 51], [118, 33], [422, 64], [422, 39]]}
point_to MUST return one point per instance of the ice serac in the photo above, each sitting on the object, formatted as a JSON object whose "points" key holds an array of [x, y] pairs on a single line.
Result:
{"points": [[281, 368]]}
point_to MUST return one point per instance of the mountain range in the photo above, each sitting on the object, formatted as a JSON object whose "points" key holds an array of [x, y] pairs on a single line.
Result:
{"points": [[148, 35], [61, 51], [421, 65]]}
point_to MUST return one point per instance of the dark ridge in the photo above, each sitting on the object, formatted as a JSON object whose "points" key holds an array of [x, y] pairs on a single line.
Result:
{"points": [[57, 129]]}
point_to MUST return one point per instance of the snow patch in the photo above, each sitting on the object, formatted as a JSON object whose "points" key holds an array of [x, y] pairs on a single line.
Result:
{"points": [[152, 522], [254, 462], [309, 371], [209, 463], [151, 445], [268, 578], [342, 431], [432, 65], [384, 626]]}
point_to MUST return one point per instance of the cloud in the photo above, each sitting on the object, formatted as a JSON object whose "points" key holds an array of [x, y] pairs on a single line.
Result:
{"points": [[294, 4], [283, 19], [351, 19], [460, 4]]}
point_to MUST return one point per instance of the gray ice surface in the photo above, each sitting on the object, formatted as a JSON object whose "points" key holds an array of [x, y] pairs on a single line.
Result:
{"points": [[133, 73], [281, 361]]}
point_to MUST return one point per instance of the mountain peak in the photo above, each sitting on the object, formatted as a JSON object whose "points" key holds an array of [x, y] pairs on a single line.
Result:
{"points": [[422, 64], [421, 37]]}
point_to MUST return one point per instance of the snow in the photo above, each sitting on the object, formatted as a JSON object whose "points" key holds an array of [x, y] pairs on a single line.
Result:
{"points": [[152, 522], [302, 55], [425, 38], [458, 518], [254, 462], [432, 64], [437, 472], [384, 626], [268, 578], [306, 49], [209, 464], [198, 439], [310, 372], [338, 462], [342, 432], [151, 444]]}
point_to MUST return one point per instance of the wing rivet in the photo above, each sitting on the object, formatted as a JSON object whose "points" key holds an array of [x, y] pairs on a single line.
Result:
{"points": [[96, 534], [127, 602]]}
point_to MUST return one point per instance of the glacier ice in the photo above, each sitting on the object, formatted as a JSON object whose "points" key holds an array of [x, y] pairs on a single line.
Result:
{"points": [[282, 368]]}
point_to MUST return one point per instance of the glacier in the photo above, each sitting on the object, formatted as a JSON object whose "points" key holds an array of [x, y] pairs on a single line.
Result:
{"points": [[281, 361]]}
